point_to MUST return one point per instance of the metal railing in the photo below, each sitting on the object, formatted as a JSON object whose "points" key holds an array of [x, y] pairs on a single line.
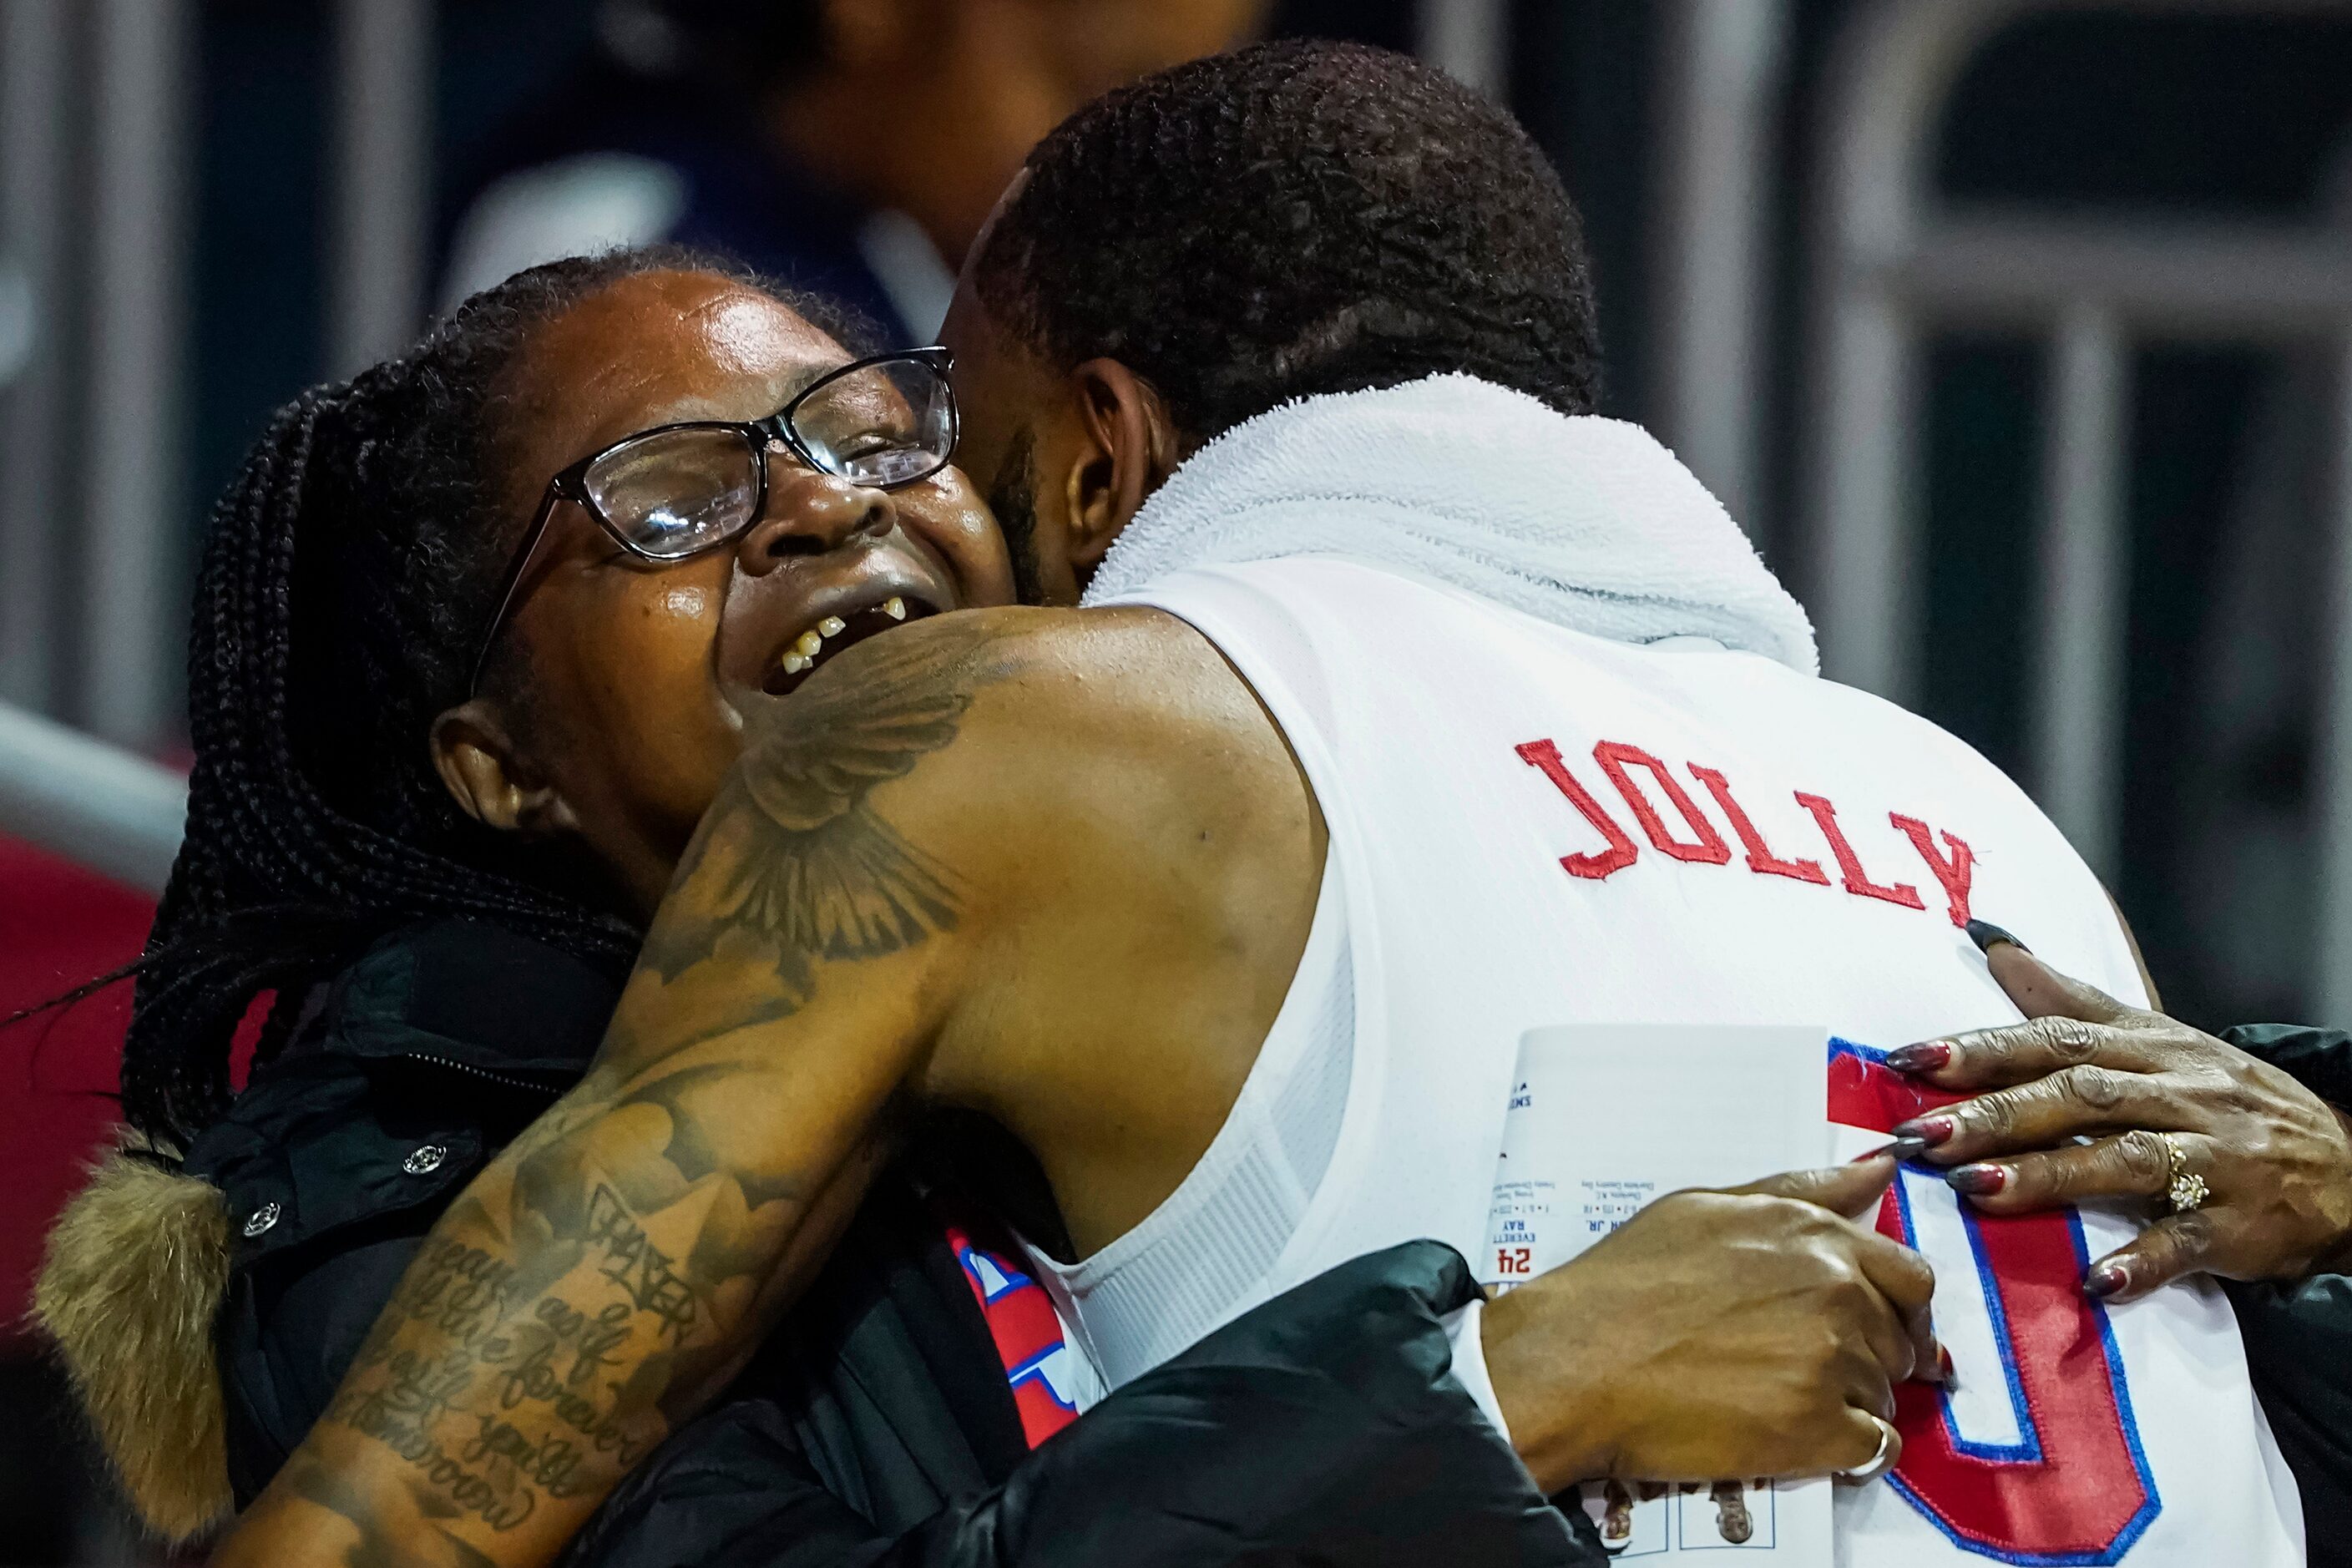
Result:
{"points": [[1721, 71], [1468, 39], [381, 180], [96, 137], [33, 96], [1891, 264], [96, 805]]}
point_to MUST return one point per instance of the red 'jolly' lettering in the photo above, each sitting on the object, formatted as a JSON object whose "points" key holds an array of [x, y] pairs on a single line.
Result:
{"points": [[1956, 873], [1544, 756], [1857, 880], [1760, 854], [1615, 757]]}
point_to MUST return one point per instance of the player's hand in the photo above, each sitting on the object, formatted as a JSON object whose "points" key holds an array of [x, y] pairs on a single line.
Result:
{"points": [[1750, 1333], [2277, 1159]]}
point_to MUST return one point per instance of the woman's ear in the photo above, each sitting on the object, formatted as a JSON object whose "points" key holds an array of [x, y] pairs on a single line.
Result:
{"points": [[1129, 449], [488, 776]]}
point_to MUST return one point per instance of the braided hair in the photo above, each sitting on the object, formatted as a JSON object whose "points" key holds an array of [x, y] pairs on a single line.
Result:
{"points": [[345, 584], [1297, 217]]}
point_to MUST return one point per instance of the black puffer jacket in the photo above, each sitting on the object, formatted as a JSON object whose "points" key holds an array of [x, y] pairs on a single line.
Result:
{"points": [[2299, 1336], [877, 1426]]}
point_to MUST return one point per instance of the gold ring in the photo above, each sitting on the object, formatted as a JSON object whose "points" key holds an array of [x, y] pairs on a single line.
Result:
{"points": [[2186, 1188], [1882, 1461]]}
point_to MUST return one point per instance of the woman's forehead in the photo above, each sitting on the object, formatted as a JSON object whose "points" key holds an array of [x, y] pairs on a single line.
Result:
{"points": [[658, 347]]}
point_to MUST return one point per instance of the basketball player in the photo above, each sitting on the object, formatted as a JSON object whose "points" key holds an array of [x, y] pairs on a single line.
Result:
{"points": [[1415, 710]]}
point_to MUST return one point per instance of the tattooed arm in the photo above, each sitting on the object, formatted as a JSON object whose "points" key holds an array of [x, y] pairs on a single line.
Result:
{"points": [[839, 938]]}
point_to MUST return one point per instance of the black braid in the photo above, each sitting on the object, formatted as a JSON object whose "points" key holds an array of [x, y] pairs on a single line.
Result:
{"points": [[344, 586]]}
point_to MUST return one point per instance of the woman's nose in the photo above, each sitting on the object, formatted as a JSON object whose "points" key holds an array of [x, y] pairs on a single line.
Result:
{"points": [[809, 514]]}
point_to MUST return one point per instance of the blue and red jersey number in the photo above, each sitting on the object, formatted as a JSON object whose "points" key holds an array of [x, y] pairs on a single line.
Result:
{"points": [[2074, 1486]]}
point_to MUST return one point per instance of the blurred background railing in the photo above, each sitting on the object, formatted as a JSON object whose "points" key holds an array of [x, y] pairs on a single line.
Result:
{"points": [[1894, 266], [2017, 333]]}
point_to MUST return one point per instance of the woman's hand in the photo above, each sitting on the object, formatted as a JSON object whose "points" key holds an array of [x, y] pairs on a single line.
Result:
{"points": [[1752, 1333], [2276, 1160]]}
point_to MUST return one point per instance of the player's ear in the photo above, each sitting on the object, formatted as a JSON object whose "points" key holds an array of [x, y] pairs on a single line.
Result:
{"points": [[491, 779], [1129, 449]]}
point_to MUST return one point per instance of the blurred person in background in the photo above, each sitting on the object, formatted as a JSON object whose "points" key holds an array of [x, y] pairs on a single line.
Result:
{"points": [[848, 147]]}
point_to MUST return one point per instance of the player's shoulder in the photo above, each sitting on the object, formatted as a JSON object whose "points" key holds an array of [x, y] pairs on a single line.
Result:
{"points": [[1120, 671], [1123, 680], [1125, 644], [1021, 734]]}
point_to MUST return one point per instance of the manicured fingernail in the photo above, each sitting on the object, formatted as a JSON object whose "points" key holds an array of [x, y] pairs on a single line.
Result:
{"points": [[2104, 1281], [1982, 1181], [1929, 1131], [1944, 1373], [1901, 1149], [1984, 933], [1931, 1057]]}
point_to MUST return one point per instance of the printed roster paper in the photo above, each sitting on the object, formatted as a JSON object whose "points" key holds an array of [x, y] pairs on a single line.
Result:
{"points": [[1603, 1120]]}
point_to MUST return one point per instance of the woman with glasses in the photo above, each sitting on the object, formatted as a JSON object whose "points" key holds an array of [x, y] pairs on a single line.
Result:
{"points": [[473, 635]]}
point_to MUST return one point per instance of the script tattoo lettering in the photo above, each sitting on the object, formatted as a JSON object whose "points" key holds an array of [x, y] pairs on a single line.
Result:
{"points": [[553, 1363], [458, 1290], [549, 1462], [638, 1267], [588, 1281]]}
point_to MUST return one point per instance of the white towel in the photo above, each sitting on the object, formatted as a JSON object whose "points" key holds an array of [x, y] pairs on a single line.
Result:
{"points": [[1583, 521]]}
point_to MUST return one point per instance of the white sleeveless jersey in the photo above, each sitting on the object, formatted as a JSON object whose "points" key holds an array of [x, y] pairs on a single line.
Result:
{"points": [[1535, 826]]}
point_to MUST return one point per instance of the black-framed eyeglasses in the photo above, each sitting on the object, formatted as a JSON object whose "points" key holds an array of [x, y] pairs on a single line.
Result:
{"points": [[676, 491]]}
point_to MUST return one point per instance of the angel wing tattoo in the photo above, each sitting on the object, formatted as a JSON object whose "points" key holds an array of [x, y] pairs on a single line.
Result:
{"points": [[803, 860]]}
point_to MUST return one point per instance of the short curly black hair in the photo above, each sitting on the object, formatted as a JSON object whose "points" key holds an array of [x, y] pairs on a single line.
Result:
{"points": [[1300, 216]]}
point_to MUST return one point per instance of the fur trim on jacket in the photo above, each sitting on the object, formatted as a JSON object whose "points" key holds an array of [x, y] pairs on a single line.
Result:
{"points": [[136, 1269]]}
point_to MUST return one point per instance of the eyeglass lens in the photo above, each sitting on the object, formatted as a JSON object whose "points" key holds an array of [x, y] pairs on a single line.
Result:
{"points": [[673, 492], [883, 424]]}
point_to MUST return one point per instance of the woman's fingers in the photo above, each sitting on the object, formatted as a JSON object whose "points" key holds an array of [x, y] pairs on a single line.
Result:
{"points": [[2177, 1244], [2020, 1053], [1867, 1436], [2068, 1102], [2042, 992], [1907, 1282], [2068, 1023], [2129, 1165], [1891, 1313], [1851, 1190], [1882, 1359]]}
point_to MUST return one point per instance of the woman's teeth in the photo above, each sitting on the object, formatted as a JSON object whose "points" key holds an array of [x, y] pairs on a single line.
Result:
{"points": [[809, 645]]}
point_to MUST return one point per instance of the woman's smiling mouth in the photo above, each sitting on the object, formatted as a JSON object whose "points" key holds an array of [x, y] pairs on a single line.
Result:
{"points": [[832, 633]]}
